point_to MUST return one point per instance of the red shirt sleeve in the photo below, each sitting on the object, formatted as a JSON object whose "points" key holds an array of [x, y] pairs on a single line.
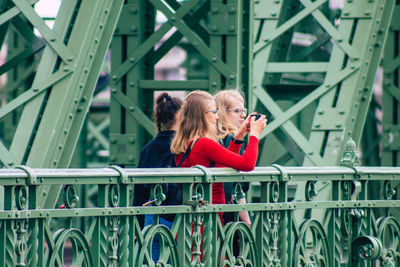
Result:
{"points": [[210, 151], [234, 147]]}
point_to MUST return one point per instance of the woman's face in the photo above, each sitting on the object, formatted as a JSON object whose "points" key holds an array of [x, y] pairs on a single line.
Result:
{"points": [[236, 113], [212, 113]]}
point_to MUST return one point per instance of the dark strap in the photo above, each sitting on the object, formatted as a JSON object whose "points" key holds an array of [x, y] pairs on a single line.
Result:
{"points": [[187, 152]]}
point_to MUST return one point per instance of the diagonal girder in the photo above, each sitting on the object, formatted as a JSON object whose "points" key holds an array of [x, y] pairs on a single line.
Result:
{"points": [[150, 42], [61, 91], [390, 137], [50, 36], [346, 50], [195, 40], [133, 83]]}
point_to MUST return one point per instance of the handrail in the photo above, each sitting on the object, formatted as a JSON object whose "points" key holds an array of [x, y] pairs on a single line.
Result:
{"points": [[336, 222]]}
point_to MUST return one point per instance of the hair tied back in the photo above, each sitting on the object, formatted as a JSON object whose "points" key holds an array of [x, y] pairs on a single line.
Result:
{"points": [[167, 98]]}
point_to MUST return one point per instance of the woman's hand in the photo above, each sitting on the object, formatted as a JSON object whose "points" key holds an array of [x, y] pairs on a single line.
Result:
{"points": [[257, 126], [243, 130]]}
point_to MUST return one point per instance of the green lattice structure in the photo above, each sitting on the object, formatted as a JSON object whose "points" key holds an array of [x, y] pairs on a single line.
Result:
{"points": [[309, 67]]}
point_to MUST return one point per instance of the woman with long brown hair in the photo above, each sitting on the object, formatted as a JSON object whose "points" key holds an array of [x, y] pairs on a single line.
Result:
{"points": [[197, 128]]}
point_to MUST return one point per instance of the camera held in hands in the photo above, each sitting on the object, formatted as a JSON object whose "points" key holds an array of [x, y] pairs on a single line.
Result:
{"points": [[256, 115]]}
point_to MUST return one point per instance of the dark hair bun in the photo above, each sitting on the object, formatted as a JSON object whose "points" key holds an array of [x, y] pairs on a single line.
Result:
{"points": [[166, 108]]}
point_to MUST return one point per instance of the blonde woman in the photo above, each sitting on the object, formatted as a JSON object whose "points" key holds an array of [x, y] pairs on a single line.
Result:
{"points": [[197, 130], [232, 115]]}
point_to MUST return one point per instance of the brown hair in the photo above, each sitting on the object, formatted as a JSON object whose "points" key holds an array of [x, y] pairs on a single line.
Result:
{"points": [[223, 101], [192, 122], [166, 108]]}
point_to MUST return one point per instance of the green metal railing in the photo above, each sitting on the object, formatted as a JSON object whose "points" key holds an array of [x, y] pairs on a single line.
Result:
{"points": [[349, 233]]}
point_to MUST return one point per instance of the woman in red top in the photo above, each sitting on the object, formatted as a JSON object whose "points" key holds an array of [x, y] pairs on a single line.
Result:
{"points": [[198, 121]]}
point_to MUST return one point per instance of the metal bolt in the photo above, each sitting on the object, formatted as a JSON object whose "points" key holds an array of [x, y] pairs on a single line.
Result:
{"points": [[214, 9]]}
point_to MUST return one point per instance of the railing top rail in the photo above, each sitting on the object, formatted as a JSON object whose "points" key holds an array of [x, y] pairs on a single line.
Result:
{"points": [[26, 175]]}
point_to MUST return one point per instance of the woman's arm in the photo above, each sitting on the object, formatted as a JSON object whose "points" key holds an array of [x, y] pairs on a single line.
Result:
{"points": [[244, 215], [214, 152]]}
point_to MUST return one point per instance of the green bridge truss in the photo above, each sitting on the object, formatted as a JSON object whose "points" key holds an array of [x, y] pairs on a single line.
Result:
{"points": [[311, 65]]}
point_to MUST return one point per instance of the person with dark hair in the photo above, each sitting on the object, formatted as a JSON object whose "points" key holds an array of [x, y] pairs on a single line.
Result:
{"points": [[157, 153]]}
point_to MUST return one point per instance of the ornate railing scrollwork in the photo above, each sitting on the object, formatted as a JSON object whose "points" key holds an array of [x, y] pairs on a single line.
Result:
{"points": [[197, 197], [71, 199], [388, 191], [21, 197], [389, 234], [273, 218], [312, 248], [80, 245], [114, 195], [274, 191], [113, 226], [21, 227], [168, 253], [366, 248], [237, 193], [311, 191], [248, 253], [110, 233]]}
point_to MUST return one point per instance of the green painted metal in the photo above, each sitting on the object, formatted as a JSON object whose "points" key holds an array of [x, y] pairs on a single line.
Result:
{"points": [[340, 98], [51, 80], [350, 234], [216, 30], [249, 44], [390, 95], [61, 92]]}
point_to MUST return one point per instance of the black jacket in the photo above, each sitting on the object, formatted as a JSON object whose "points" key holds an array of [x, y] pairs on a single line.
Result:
{"points": [[157, 154]]}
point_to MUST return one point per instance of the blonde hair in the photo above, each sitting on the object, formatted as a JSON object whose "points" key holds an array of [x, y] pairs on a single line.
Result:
{"points": [[192, 122], [223, 99]]}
